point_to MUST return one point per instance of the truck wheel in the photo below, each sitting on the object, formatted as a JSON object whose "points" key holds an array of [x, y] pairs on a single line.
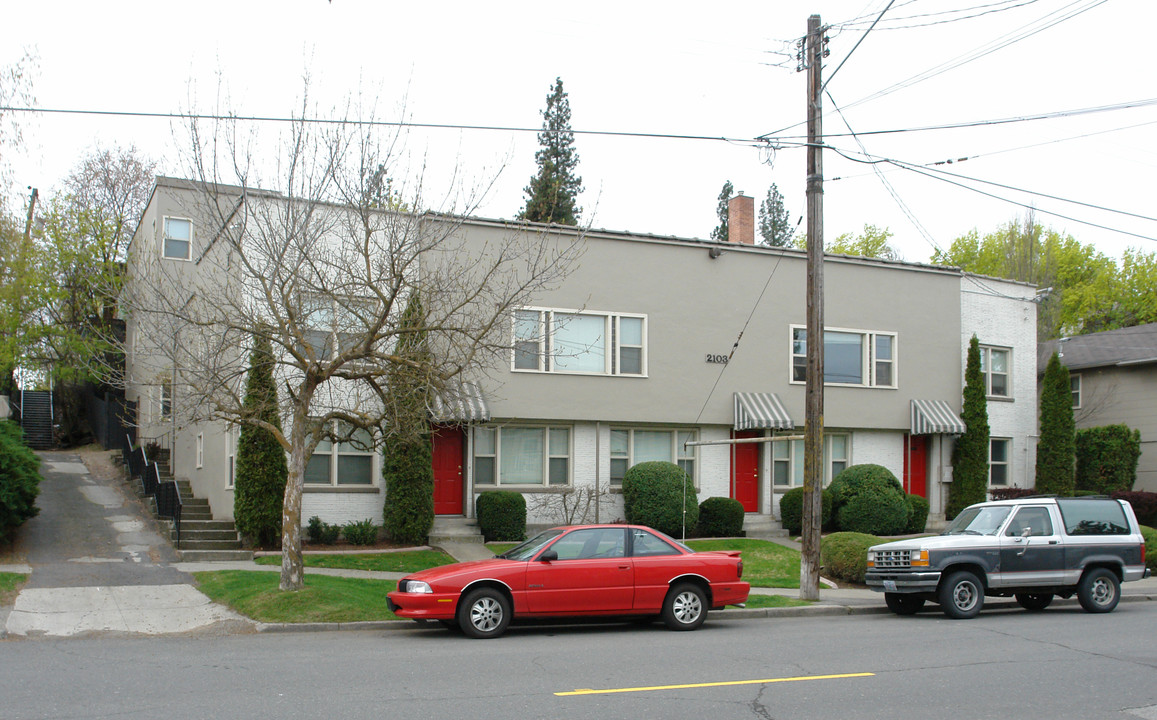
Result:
{"points": [[1034, 602], [1099, 590], [961, 595], [903, 604]]}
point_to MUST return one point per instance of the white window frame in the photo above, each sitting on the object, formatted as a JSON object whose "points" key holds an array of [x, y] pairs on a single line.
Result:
{"points": [[1006, 463], [165, 238], [544, 342], [165, 400], [338, 313], [200, 450], [548, 455], [870, 359], [1075, 387], [794, 460], [986, 369], [682, 455], [334, 453]]}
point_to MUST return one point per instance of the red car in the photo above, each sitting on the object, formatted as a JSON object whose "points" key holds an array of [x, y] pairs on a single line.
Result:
{"points": [[584, 570]]}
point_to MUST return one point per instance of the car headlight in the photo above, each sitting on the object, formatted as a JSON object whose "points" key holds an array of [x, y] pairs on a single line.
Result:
{"points": [[415, 586], [919, 558]]}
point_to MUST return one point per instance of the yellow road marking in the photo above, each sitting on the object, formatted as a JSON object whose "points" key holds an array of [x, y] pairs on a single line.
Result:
{"points": [[588, 691]]}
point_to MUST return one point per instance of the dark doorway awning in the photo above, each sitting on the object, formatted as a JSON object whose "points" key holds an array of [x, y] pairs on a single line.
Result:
{"points": [[461, 403], [756, 411], [935, 417]]}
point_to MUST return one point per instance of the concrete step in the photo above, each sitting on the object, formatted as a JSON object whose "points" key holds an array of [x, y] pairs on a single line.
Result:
{"points": [[187, 524], [194, 544], [190, 535], [214, 555], [762, 526], [455, 529]]}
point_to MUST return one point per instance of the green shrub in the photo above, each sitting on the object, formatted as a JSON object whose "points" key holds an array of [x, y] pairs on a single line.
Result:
{"points": [[970, 451], [844, 555], [363, 532], [791, 510], [19, 479], [1150, 536], [1055, 451], [1144, 505], [322, 533], [501, 515], [721, 517], [259, 490], [1012, 493], [408, 472], [1107, 458], [917, 514], [869, 499], [662, 496]]}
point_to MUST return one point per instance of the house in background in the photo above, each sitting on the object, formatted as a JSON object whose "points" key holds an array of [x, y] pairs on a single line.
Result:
{"points": [[1114, 381], [651, 343]]}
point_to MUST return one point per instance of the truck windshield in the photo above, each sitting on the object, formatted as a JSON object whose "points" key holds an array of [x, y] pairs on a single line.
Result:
{"points": [[978, 521]]}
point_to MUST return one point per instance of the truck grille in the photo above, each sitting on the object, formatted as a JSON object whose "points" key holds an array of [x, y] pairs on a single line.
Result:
{"points": [[893, 559]]}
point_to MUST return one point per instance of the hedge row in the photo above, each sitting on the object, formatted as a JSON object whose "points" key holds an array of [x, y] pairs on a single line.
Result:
{"points": [[19, 479]]}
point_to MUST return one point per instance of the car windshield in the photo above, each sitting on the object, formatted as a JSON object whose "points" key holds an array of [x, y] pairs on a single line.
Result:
{"points": [[530, 548], [978, 521]]}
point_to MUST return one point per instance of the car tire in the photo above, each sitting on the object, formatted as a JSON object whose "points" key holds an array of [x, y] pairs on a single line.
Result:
{"points": [[685, 607], [1034, 602], [1099, 590], [903, 603], [484, 613], [961, 595]]}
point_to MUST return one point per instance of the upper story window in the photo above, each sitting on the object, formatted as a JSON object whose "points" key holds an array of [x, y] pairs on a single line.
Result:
{"points": [[1075, 389], [851, 357], [579, 342], [994, 363], [333, 325], [166, 404], [631, 446], [178, 239]]}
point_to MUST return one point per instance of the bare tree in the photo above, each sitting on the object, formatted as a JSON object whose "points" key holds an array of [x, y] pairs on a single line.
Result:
{"points": [[320, 257], [575, 506]]}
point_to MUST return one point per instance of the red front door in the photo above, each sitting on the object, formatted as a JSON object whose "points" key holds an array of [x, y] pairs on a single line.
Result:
{"points": [[916, 465], [745, 471], [448, 444]]}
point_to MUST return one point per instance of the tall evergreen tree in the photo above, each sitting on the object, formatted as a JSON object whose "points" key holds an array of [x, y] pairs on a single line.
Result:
{"points": [[774, 221], [407, 462], [1056, 451], [970, 456], [721, 211], [552, 195], [261, 468]]}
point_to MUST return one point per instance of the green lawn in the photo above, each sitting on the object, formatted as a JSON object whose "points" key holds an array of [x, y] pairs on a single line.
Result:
{"points": [[324, 599], [9, 585], [405, 561], [765, 564], [774, 601]]}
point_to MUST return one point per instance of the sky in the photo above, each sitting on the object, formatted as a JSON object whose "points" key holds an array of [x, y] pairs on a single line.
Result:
{"points": [[725, 76]]}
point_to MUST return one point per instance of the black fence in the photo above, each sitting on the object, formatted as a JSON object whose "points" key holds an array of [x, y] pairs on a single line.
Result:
{"points": [[110, 417], [165, 493]]}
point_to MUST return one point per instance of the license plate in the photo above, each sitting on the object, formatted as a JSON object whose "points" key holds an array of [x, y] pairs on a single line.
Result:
{"points": [[889, 586]]}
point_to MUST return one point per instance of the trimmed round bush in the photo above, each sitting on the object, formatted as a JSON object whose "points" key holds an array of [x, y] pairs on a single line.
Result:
{"points": [[501, 515], [869, 499], [791, 510], [653, 495], [917, 514], [844, 555], [721, 517], [1107, 459]]}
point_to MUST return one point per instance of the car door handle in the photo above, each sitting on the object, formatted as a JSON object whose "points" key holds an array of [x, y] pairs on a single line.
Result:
{"points": [[1052, 542], [624, 567]]}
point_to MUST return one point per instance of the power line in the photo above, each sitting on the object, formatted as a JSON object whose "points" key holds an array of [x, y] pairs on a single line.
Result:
{"points": [[853, 50]]}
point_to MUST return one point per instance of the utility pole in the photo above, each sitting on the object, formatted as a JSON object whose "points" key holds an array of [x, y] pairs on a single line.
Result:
{"points": [[813, 442]]}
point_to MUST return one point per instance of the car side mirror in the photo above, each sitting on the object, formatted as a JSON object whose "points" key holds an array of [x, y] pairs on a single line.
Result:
{"points": [[548, 556], [1026, 532]]}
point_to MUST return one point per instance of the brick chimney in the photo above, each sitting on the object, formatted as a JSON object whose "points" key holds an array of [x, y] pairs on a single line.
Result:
{"points": [[741, 219]]}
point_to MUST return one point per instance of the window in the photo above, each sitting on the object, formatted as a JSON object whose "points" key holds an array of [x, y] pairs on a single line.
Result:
{"points": [[232, 438], [994, 364], [631, 446], [1033, 519], [343, 463], [334, 325], [592, 543], [1075, 389], [178, 238], [579, 342], [787, 460], [851, 357], [998, 453], [518, 455], [1093, 516], [645, 544], [166, 399], [200, 449]]}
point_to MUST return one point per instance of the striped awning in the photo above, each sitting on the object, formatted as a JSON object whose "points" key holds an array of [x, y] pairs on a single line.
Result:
{"points": [[755, 411], [461, 403], [933, 417]]}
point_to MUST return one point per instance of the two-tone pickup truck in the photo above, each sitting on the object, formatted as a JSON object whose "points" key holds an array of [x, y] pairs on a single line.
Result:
{"points": [[1031, 548]]}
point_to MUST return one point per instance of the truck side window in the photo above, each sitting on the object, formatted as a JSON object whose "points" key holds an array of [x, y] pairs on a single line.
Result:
{"points": [[1035, 519]]}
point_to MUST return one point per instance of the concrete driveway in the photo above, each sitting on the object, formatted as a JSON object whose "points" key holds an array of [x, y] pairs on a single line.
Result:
{"points": [[99, 564]]}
